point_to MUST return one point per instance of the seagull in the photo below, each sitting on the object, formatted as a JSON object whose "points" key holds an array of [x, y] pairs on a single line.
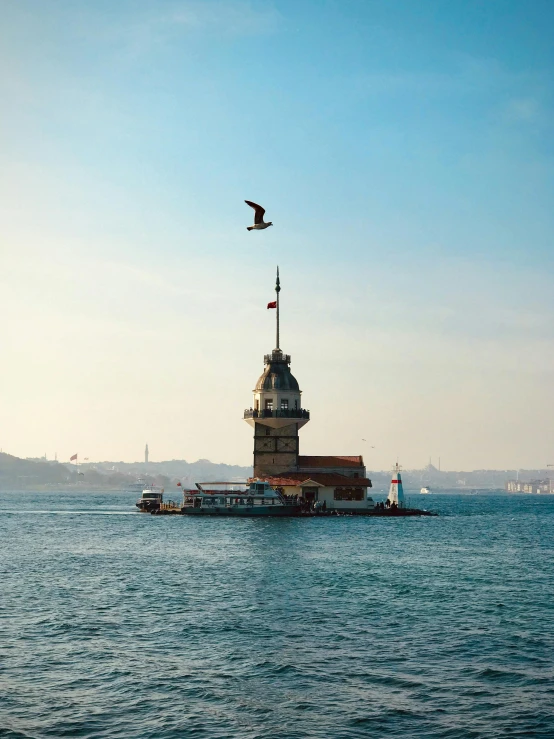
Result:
{"points": [[259, 222]]}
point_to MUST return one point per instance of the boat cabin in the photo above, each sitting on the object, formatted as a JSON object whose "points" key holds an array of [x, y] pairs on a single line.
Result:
{"points": [[258, 499], [151, 495], [151, 499]]}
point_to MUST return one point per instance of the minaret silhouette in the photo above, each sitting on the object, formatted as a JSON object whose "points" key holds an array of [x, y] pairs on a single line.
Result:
{"points": [[146, 454]]}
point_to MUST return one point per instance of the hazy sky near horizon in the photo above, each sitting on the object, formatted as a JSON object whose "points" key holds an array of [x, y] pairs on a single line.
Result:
{"points": [[404, 151]]}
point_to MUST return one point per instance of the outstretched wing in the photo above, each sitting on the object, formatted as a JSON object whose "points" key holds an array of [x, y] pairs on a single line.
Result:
{"points": [[259, 212]]}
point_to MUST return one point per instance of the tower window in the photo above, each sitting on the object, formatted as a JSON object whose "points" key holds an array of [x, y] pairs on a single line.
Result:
{"points": [[284, 404], [269, 404], [295, 405], [256, 405]]}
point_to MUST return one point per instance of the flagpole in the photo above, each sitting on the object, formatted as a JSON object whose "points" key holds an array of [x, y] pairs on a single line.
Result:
{"points": [[277, 290]]}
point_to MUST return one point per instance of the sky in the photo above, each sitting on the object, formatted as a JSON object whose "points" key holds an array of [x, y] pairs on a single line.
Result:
{"points": [[404, 152]]}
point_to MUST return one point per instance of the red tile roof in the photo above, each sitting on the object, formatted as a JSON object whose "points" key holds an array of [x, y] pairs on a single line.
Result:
{"points": [[295, 479], [330, 461]]}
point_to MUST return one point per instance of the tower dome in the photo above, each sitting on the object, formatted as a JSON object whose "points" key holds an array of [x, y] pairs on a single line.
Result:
{"points": [[277, 374]]}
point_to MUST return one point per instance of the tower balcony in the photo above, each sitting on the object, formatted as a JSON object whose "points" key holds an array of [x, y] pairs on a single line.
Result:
{"points": [[278, 417], [277, 413]]}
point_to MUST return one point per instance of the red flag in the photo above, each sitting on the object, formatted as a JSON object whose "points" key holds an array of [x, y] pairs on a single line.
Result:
{"points": [[72, 458], [179, 485], [272, 305]]}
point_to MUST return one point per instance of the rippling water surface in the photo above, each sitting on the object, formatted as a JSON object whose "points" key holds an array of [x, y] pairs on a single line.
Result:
{"points": [[117, 624]]}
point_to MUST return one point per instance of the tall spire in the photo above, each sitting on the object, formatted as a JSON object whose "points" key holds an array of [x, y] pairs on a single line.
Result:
{"points": [[277, 290]]}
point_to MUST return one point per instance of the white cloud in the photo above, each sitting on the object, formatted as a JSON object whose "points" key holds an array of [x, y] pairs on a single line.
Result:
{"points": [[231, 17], [152, 24], [523, 109]]}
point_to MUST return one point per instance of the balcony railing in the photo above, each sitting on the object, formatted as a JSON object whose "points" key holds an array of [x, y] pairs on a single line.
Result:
{"points": [[276, 356], [277, 413]]}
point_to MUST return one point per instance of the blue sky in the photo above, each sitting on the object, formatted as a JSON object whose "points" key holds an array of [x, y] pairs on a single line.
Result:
{"points": [[403, 151]]}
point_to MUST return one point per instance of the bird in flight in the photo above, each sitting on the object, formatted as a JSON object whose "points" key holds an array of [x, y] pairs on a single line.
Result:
{"points": [[259, 222]]}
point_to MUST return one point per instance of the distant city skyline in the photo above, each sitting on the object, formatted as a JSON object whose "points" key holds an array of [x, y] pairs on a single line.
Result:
{"points": [[404, 154], [547, 468]]}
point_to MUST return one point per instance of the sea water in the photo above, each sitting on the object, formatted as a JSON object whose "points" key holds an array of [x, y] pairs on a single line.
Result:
{"points": [[118, 624]]}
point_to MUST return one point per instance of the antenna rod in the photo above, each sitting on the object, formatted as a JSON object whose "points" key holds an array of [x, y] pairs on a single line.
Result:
{"points": [[277, 290]]}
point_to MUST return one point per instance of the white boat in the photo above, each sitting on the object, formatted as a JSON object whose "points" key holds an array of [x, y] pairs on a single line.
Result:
{"points": [[151, 499], [425, 490], [260, 499]]}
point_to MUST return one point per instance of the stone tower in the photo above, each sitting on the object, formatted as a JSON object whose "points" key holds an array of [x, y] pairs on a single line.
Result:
{"points": [[277, 414]]}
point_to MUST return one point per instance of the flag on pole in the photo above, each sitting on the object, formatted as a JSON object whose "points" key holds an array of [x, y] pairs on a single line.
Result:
{"points": [[71, 459], [272, 305]]}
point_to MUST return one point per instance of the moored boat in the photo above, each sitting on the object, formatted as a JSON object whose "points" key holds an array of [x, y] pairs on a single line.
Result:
{"points": [[260, 499], [150, 500], [425, 490]]}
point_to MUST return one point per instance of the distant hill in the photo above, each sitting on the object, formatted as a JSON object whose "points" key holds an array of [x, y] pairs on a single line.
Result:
{"points": [[21, 474], [176, 470]]}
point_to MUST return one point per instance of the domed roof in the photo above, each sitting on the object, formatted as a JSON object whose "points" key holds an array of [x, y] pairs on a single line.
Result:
{"points": [[277, 374]]}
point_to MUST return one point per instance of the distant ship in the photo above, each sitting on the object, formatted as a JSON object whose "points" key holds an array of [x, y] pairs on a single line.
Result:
{"points": [[138, 486], [425, 490]]}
